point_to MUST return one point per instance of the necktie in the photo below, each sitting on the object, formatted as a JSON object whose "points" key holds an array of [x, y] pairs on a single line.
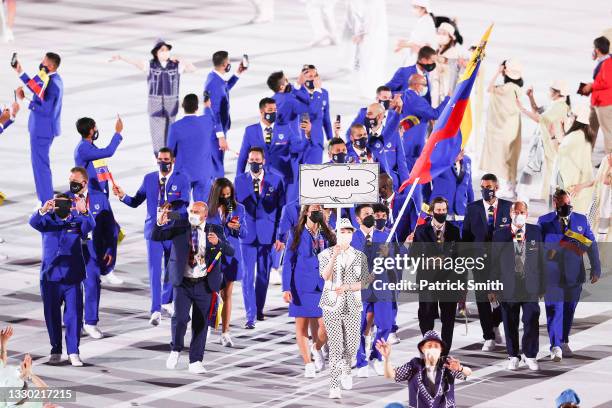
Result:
{"points": [[193, 249], [564, 225], [162, 190], [368, 240], [268, 135], [363, 157], [256, 186], [438, 235], [491, 216], [385, 202], [519, 234]]}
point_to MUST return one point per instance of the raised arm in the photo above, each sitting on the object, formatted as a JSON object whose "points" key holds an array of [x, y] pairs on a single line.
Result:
{"points": [[139, 64]]}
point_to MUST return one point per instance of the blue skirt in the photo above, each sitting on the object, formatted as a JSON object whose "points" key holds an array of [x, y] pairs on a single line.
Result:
{"points": [[305, 304]]}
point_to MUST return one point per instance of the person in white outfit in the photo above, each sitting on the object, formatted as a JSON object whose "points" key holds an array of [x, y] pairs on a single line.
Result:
{"points": [[321, 16], [423, 32]]}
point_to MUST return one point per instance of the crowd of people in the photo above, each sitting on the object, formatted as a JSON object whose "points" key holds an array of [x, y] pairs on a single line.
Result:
{"points": [[204, 232]]}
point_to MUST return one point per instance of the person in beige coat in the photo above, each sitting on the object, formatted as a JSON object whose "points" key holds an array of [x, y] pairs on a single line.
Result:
{"points": [[502, 145], [601, 209]]}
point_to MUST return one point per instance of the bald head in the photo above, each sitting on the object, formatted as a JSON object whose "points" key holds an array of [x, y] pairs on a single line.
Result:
{"points": [[385, 185], [200, 209], [519, 213], [417, 83], [375, 109]]}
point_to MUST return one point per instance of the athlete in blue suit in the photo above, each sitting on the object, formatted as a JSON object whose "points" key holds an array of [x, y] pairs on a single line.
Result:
{"points": [[383, 96], [8, 117], [44, 123], [455, 184], [425, 64]]}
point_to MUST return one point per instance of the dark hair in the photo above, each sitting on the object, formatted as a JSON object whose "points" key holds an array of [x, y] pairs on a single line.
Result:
{"points": [[81, 170], [335, 141], [274, 80], [190, 103], [602, 44], [380, 207], [328, 234], [84, 126], [382, 88], [589, 135], [166, 150], [559, 193], [489, 177], [55, 58], [266, 101], [518, 82], [257, 149], [219, 58], [361, 207], [215, 192], [425, 52], [438, 200]]}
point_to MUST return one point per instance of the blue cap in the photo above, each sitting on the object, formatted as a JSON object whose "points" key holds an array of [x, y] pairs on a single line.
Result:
{"points": [[568, 396], [394, 405]]}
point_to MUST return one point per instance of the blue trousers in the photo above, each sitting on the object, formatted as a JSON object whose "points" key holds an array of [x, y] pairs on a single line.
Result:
{"points": [[200, 189], [91, 286], [383, 319], [53, 294], [313, 154], [530, 343], [560, 314], [218, 156], [161, 289], [394, 327], [41, 167], [186, 296], [255, 284]]}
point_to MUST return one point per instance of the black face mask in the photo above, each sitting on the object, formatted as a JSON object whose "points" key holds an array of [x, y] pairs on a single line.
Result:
{"points": [[224, 201], [564, 211], [316, 217], [255, 167], [386, 104], [270, 117], [288, 88], [487, 194], [95, 135], [370, 123], [228, 67], [428, 67], [339, 157], [164, 167], [380, 223], [440, 217], [41, 66], [368, 221], [361, 143], [309, 84], [75, 187], [63, 208]]}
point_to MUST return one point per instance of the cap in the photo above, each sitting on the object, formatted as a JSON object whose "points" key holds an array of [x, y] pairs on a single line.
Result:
{"points": [[514, 69], [561, 86], [568, 396], [345, 223], [158, 44], [448, 28], [431, 335]]}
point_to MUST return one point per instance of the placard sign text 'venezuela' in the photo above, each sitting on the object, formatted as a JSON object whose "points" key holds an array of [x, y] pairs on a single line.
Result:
{"points": [[332, 183]]}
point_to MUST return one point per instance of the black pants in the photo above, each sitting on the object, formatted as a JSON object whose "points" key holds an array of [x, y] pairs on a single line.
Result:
{"points": [[489, 319], [428, 311], [511, 312]]}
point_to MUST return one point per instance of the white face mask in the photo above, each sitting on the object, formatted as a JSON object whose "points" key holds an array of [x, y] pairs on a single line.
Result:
{"points": [[194, 219], [519, 220], [345, 238], [163, 56], [432, 356], [443, 39]]}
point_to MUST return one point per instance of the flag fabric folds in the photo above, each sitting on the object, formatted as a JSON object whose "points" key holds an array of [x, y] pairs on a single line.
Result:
{"points": [[102, 171], [39, 83]]}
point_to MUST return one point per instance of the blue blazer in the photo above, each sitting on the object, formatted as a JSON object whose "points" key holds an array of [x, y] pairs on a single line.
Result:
{"points": [[359, 119], [279, 154], [288, 220], [85, 153], [177, 192], [289, 107], [565, 267], [262, 215], [180, 234], [62, 257], [318, 111], [190, 140], [233, 237], [455, 187], [399, 82], [3, 127], [219, 98], [503, 263], [408, 221], [301, 266], [475, 225], [45, 115]]}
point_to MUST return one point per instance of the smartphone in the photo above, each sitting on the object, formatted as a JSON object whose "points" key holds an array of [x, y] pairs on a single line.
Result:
{"points": [[245, 60], [14, 60], [234, 218], [206, 96], [174, 215], [581, 89], [338, 118], [304, 117]]}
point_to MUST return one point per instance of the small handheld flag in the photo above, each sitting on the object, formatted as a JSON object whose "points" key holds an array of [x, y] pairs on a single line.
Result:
{"points": [[102, 171], [214, 262], [409, 122], [39, 83]]}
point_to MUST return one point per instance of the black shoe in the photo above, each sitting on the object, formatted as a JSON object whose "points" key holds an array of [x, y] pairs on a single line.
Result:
{"points": [[249, 325], [260, 317]]}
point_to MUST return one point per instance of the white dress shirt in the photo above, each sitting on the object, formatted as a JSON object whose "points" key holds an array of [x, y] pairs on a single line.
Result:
{"points": [[198, 271]]}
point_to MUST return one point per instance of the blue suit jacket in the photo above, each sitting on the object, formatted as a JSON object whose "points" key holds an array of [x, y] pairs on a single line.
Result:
{"points": [[219, 98], [7, 124], [456, 188], [289, 106], [280, 154], [399, 82], [565, 267], [475, 225], [62, 258], [177, 192], [190, 140], [409, 219], [359, 119], [503, 265], [262, 215], [85, 153], [288, 220], [301, 266], [318, 111], [45, 115]]}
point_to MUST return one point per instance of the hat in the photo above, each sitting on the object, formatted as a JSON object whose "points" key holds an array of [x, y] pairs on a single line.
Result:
{"points": [[345, 223], [582, 113], [158, 44], [561, 86], [431, 335], [514, 69], [448, 28], [568, 396], [422, 3]]}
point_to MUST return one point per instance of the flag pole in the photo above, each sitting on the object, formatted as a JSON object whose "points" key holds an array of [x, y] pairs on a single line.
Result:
{"points": [[403, 209]]}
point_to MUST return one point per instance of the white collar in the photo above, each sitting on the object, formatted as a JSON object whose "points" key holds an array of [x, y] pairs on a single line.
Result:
{"points": [[190, 114], [515, 228], [167, 176], [365, 233], [259, 176], [487, 205], [383, 122], [264, 126]]}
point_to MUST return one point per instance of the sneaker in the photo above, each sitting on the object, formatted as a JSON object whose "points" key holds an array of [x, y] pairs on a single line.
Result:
{"points": [[556, 354], [172, 360], [112, 278], [275, 277], [368, 344], [249, 325], [310, 371], [513, 363], [532, 363], [55, 359], [489, 345], [75, 360], [378, 366], [155, 319], [335, 393], [498, 337], [226, 340], [393, 338], [363, 372], [168, 308], [346, 381], [93, 331], [196, 368], [319, 361], [567, 351]]}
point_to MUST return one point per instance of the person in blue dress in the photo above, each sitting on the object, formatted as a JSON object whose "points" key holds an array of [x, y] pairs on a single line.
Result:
{"points": [[224, 210], [302, 285]]}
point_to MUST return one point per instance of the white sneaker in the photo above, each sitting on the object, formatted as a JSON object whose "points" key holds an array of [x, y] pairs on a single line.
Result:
{"points": [[75, 360], [55, 359], [393, 339], [567, 351], [378, 366], [498, 337], [155, 319], [556, 354], [196, 368], [172, 360], [513, 363], [319, 361], [310, 371], [93, 331], [489, 345], [112, 278], [532, 363], [363, 372], [335, 393], [346, 381], [168, 308], [275, 277], [226, 340], [368, 345]]}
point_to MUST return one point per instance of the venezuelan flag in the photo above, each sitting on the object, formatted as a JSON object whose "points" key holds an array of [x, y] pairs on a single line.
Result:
{"points": [[39, 83], [423, 215], [575, 242], [452, 128], [102, 171]]}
